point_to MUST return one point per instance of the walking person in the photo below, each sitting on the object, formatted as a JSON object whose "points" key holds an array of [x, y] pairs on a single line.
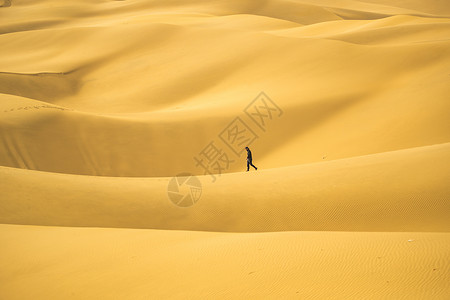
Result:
{"points": [[249, 159]]}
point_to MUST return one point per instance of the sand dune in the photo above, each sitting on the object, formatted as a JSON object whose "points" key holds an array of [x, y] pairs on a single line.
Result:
{"points": [[397, 191], [170, 82], [139, 264], [102, 102]]}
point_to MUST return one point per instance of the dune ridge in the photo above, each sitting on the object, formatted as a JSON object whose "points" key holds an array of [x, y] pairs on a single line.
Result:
{"points": [[320, 196], [387, 65], [103, 102]]}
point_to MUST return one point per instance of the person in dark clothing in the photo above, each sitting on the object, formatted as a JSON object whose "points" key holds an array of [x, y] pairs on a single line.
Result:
{"points": [[249, 159]]}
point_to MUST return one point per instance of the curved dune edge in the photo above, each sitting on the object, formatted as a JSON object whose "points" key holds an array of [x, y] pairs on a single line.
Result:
{"points": [[395, 191], [101, 102], [138, 88], [138, 264]]}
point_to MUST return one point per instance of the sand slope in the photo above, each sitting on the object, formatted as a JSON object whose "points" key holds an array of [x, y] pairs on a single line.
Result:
{"points": [[397, 191], [142, 264], [154, 85], [102, 102]]}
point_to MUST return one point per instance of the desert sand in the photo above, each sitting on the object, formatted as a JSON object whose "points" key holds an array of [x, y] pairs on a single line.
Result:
{"points": [[102, 103]]}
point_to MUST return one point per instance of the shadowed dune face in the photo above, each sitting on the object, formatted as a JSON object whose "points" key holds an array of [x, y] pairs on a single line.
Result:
{"points": [[102, 102], [353, 80], [398, 191], [40, 86]]}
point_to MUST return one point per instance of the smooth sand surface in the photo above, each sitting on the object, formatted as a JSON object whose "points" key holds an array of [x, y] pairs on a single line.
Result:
{"points": [[104, 263], [103, 102]]}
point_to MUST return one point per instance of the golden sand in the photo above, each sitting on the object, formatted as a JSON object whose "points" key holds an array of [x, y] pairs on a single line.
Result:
{"points": [[103, 102]]}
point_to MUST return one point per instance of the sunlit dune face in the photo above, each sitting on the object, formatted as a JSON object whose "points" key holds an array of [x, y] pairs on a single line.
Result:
{"points": [[124, 127]]}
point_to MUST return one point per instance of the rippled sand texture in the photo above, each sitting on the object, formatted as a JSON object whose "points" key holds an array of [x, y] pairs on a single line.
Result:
{"points": [[103, 102]]}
